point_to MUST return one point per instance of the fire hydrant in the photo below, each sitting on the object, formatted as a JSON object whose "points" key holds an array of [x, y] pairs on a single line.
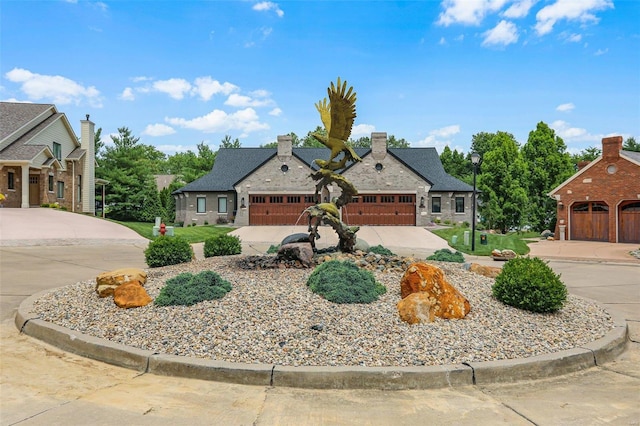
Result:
{"points": [[163, 229]]}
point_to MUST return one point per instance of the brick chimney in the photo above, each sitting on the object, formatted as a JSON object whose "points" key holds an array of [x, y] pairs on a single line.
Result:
{"points": [[378, 145], [284, 147], [611, 147]]}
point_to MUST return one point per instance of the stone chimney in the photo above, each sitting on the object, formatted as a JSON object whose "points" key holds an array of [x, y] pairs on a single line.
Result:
{"points": [[284, 147], [611, 147], [87, 142], [378, 145]]}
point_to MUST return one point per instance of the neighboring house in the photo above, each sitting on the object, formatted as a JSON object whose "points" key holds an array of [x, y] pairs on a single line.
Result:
{"points": [[269, 186], [42, 161], [601, 202], [163, 181]]}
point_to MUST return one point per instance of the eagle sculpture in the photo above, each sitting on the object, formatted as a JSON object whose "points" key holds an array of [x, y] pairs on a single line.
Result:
{"points": [[337, 116]]}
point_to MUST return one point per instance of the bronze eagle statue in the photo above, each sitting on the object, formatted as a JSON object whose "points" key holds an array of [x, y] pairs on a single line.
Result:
{"points": [[337, 116]]}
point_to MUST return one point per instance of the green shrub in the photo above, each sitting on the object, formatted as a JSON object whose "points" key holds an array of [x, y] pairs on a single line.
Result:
{"points": [[188, 289], [166, 250], [222, 245], [343, 282], [381, 250], [273, 249], [530, 284], [446, 255]]}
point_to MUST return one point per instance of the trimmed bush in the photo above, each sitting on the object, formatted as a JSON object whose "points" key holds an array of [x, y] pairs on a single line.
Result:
{"points": [[530, 284], [446, 255], [343, 282], [381, 250], [222, 245], [188, 289], [166, 250]]}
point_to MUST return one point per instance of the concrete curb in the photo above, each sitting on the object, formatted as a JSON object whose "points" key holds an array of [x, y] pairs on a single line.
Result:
{"points": [[589, 355]]}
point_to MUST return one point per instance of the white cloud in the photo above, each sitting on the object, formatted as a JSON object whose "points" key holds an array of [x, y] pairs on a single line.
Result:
{"points": [[575, 134], [276, 112], [172, 149], [158, 130], [439, 138], [519, 9], [571, 38], [565, 107], [468, 12], [504, 33], [174, 87], [265, 6], [127, 94], [601, 52], [140, 78], [361, 130], [206, 87], [245, 120], [240, 101], [443, 41], [54, 88], [570, 10]]}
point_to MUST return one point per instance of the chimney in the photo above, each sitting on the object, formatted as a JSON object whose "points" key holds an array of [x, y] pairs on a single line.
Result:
{"points": [[378, 145], [284, 147], [611, 147], [87, 142]]}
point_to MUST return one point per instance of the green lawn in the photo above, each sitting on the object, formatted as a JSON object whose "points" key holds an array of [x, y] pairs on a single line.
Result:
{"points": [[193, 234], [512, 241]]}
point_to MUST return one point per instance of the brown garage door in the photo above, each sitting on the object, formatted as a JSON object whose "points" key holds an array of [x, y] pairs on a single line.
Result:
{"points": [[381, 209], [629, 224], [278, 209], [590, 221]]}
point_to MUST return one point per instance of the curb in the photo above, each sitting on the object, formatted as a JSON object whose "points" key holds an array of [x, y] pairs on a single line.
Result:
{"points": [[593, 354]]}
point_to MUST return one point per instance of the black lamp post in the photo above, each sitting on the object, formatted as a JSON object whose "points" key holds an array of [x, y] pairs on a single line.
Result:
{"points": [[475, 159]]}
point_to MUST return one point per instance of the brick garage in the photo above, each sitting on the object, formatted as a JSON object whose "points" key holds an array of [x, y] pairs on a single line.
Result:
{"points": [[601, 202]]}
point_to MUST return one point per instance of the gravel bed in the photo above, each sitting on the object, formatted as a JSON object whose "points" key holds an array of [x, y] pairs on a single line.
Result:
{"points": [[271, 317]]}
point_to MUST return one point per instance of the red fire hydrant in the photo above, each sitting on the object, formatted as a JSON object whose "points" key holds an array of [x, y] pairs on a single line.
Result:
{"points": [[163, 229]]}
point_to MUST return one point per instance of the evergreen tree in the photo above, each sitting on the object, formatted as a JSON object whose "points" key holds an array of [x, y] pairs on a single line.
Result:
{"points": [[631, 145]]}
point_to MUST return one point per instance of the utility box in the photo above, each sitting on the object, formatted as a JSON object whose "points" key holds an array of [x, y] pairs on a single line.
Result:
{"points": [[454, 240], [466, 237], [483, 239]]}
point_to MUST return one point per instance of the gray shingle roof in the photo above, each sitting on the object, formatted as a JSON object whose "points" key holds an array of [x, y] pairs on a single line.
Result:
{"points": [[19, 150], [426, 163], [14, 115], [631, 154]]}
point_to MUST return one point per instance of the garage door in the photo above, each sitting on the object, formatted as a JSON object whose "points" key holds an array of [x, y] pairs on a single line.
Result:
{"points": [[381, 209], [590, 221], [629, 223], [278, 209]]}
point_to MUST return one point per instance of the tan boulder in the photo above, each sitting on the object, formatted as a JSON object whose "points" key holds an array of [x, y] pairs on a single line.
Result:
{"points": [[416, 308], [487, 271], [107, 282], [447, 300], [131, 295]]}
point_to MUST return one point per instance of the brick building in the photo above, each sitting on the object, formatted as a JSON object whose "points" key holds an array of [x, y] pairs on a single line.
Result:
{"points": [[269, 186], [601, 202]]}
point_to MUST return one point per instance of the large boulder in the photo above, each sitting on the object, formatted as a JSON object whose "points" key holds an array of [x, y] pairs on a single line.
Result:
{"points": [[107, 282], [416, 308], [295, 238], [131, 295], [447, 301], [487, 271], [297, 251]]}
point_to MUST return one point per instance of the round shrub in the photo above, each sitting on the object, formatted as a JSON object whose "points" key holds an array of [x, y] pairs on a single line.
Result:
{"points": [[166, 250], [530, 284], [381, 250], [343, 282], [222, 245], [446, 255], [188, 289]]}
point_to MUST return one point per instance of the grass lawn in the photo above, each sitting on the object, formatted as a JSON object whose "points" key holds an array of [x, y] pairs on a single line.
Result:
{"points": [[513, 241], [193, 234]]}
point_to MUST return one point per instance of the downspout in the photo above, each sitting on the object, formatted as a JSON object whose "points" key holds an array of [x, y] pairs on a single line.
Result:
{"points": [[73, 186]]}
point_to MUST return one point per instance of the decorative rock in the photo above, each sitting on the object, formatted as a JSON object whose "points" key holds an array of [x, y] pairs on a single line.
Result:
{"points": [[416, 308], [487, 271], [107, 282], [361, 245], [131, 295], [297, 251], [503, 254], [422, 277], [300, 237]]}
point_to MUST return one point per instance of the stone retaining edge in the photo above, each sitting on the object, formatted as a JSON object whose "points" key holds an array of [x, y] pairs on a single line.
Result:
{"points": [[586, 356]]}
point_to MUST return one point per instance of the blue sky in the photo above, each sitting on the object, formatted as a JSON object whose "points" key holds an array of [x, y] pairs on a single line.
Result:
{"points": [[435, 73]]}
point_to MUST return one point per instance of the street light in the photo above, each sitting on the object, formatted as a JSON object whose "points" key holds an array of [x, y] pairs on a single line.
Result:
{"points": [[475, 159]]}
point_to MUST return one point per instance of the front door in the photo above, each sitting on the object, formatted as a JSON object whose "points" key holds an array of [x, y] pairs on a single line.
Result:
{"points": [[34, 190]]}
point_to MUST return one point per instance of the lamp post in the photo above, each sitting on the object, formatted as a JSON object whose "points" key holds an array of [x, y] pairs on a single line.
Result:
{"points": [[475, 159]]}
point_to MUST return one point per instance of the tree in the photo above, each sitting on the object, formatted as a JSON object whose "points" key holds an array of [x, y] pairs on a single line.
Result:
{"points": [[548, 165], [392, 142], [228, 143], [456, 164], [502, 183], [97, 142], [631, 145], [311, 142], [129, 167]]}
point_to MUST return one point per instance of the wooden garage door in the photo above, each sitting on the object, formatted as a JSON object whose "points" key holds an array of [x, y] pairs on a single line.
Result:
{"points": [[381, 209], [590, 221], [278, 209], [629, 223]]}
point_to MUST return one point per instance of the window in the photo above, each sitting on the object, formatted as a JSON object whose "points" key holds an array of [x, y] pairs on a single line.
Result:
{"points": [[57, 151], [276, 199], [60, 189], [11, 180], [387, 199], [459, 204], [294, 199], [201, 204], [222, 204], [369, 198], [258, 199], [309, 199], [50, 183], [79, 188], [436, 206], [405, 199]]}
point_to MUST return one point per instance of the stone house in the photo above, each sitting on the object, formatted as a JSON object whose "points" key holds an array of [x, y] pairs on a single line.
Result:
{"points": [[601, 201], [272, 186], [42, 161]]}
